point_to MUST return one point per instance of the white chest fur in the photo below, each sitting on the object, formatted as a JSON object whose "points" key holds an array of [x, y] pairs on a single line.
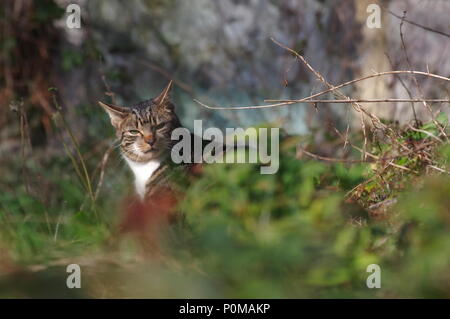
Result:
{"points": [[142, 172]]}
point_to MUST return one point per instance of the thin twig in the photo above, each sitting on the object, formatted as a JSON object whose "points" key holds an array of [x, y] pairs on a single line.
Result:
{"points": [[301, 151], [306, 100], [408, 91], [109, 92], [102, 170], [338, 94], [418, 25], [82, 172], [419, 88], [184, 86], [309, 98], [425, 132], [439, 169], [390, 163], [366, 101]]}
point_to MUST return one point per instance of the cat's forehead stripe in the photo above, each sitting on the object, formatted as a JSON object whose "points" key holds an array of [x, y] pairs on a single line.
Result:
{"points": [[143, 113]]}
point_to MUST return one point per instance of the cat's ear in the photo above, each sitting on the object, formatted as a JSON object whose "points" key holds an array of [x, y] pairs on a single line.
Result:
{"points": [[163, 98], [116, 113]]}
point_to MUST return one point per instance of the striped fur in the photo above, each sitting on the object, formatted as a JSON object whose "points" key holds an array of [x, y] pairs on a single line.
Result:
{"points": [[144, 130]]}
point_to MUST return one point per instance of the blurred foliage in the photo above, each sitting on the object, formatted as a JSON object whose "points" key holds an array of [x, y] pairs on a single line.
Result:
{"points": [[421, 150], [28, 53], [310, 230], [292, 234]]}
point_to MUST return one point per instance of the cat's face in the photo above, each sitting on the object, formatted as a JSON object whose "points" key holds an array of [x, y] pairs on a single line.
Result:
{"points": [[144, 129]]}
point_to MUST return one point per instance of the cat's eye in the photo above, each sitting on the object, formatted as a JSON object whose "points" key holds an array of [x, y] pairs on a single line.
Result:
{"points": [[134, 132]]}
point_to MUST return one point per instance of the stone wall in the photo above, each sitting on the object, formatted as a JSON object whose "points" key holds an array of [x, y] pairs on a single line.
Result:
{"points": [[221, 53]]}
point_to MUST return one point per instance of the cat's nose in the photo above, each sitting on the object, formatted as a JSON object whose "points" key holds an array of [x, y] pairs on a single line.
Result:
{"points": [[149, 139]]}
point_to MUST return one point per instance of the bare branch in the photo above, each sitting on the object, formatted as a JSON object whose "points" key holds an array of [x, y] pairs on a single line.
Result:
{"points": [[418, 25]]}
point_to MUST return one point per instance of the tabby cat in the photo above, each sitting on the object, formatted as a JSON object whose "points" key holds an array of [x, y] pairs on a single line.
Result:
{"points": [[144, 130]]}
